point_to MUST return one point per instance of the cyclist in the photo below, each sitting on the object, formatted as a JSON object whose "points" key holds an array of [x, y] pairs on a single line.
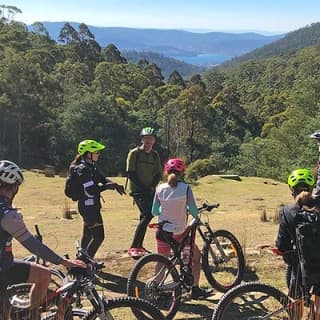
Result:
{"points": [[92, 183], [144, 173], [316, 191], [172, 202], [301, 183], [12, 226]]}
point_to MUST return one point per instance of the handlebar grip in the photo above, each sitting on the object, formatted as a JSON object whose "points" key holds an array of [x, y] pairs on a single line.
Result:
{"points": [[209, 207]]}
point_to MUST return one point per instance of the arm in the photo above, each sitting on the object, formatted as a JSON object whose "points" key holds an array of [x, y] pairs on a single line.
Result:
{"points": [[15, 226], [158, 173], [156, 208], [191, 204], [316, 190], [284, 238], [131, 169]]}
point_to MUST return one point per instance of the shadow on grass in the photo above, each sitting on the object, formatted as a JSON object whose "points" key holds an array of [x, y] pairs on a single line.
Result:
{"points": [[249, 275], [200, 310], [113, 282]]}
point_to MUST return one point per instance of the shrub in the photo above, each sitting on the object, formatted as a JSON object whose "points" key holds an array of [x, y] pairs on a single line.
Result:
{"points": [[201, 168]]}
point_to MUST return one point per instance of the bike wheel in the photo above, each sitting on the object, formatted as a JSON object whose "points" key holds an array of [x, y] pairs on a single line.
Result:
{"points": [[126, 308], [252, 301], [18, 302], [74, 314], [223, 261], [161, 288]]}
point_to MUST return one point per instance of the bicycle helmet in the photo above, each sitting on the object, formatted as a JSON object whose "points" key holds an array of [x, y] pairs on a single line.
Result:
{"points": [[315, 135], [176, 165], [301, 177], [148, 131], [10, 173], [89, 146]]}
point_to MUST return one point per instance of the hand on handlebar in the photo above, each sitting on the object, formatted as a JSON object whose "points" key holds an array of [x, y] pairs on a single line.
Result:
{"points": [[70, 263]]}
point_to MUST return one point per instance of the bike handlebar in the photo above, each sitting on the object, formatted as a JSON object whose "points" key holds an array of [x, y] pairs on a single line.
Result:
{"points": [[208, 207]]}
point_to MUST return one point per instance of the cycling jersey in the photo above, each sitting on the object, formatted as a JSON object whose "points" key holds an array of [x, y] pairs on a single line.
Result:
{"points": [[12, 226], [144, 170], [173, 203], [93, 183]]}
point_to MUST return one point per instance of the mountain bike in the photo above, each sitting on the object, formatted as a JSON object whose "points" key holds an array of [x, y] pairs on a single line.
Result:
{"points": [[222, 262], [17, 301], [253, 301]]}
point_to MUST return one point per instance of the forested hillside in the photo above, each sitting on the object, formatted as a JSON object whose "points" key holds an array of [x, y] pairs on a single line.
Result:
{"points": [[253, 120], [292, 42], [167, 65]]}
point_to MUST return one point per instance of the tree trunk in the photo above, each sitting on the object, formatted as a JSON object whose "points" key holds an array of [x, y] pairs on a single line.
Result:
{"points": [[19, 138]]}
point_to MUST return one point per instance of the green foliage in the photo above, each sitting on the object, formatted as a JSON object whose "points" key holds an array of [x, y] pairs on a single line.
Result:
{"points": [[201, 168], [254, 120]]}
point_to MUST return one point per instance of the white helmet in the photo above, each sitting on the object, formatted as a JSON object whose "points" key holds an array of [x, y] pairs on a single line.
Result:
{"points": [[10, 173], [315, 135]]}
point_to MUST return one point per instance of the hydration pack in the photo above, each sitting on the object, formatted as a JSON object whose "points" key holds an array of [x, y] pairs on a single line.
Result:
{"points": [[308, 246], [73, 186]]}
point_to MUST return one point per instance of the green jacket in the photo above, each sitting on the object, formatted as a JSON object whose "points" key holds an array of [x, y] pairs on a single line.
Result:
{"points": [[144, 170]]}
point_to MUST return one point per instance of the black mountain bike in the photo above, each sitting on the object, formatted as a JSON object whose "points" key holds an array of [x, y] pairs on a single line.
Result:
{"points": [[80, 298], [222, 262], [254, 301]]}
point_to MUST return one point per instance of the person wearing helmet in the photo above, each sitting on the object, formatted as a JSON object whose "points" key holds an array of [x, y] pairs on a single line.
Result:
{"points": [[92, 182], [144, 173], [301, 183], [173, 200], [13, 271]]}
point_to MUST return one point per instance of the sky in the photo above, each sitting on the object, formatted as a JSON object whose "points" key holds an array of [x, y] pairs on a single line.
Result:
{"points": [[266, 16]]}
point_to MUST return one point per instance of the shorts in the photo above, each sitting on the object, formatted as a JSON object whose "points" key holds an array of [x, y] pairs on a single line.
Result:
{"points": [[164, 247], [17, 273]]}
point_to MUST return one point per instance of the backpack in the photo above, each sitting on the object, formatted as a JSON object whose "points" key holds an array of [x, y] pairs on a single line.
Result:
{"points": [[72, 187], [308, 244]]}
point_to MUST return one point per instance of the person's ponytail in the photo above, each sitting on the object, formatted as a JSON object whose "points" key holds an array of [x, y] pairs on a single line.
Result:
{"points": [[172, 180]]}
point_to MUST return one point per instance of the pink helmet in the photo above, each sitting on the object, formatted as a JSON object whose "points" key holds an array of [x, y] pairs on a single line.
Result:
{"points": [[174, 165]]}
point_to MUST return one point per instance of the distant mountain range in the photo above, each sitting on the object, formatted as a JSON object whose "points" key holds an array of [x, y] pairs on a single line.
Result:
{"points": [[173, 43]]}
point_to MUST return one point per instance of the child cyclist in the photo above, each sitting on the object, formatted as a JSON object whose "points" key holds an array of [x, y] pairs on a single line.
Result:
{"points": [[301, 183], [172, 202]]}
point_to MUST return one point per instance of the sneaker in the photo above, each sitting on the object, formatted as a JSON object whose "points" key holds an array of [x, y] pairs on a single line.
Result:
{"points": [[200, 293], [136, 253]]}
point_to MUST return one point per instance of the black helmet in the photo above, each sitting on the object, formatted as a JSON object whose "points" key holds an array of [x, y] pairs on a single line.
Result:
{"points": [[148, 131]]}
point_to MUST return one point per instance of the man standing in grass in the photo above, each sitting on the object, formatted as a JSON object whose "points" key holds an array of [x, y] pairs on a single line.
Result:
{"points": [[144, 173]]}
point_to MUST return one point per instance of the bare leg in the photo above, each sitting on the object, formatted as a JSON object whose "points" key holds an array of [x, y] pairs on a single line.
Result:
{"points": [[40, 277], [196, 267]]}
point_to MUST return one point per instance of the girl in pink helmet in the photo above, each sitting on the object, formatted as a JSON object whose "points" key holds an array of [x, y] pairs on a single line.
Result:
{"points": [[173, 201]]}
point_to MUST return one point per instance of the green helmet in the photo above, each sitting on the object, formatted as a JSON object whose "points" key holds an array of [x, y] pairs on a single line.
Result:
{"points": [[148, 131], [301, 177], [89, 146]]}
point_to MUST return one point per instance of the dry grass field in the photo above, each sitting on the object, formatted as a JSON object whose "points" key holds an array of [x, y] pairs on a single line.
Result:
{"points": [[242, 206]]}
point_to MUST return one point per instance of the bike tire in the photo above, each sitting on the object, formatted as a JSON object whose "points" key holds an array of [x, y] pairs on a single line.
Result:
{"points": [[252, 301], [17, 296], [76, 314], [140, 309], [142, 283], [223, 261]]}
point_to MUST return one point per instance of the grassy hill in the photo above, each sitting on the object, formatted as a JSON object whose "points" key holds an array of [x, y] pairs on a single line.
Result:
{"points": [[242, 203]]}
